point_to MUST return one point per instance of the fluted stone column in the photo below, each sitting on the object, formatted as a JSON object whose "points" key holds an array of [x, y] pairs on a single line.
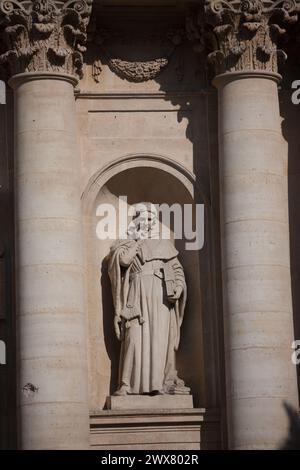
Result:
{"points": [[45, 40], [254, 223]]}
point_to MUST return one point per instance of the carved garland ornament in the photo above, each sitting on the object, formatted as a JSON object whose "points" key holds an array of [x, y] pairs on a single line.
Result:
{"points": [[134, 71], [244, 33], [137, 71], [44, 35]]}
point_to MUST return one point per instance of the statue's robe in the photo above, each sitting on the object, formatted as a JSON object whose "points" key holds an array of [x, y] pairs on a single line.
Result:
{"points": [[150, 323]]}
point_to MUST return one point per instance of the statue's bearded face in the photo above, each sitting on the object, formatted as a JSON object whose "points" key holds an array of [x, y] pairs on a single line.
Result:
{"points": [[143, 224], [146, 222]]}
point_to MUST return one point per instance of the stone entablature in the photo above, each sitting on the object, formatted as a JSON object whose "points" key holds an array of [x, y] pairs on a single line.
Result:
{"points": [[45, 35]]}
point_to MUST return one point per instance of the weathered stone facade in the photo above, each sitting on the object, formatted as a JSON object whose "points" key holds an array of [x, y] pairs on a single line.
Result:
{"points": [[168, 102]]}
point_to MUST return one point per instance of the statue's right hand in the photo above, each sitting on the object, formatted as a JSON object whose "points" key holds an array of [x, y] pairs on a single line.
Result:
{"points": [[117, 321], [128, 256]]}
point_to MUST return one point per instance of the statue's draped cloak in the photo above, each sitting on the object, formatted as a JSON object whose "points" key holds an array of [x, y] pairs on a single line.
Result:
{"points": [[150, 323]]}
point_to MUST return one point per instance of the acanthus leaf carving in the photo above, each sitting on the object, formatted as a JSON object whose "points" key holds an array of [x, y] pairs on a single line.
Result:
{"points": [[242, 35], [44, 35]]}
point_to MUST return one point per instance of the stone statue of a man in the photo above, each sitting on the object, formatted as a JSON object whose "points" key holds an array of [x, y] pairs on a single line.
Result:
{"points": [[149, 293]]}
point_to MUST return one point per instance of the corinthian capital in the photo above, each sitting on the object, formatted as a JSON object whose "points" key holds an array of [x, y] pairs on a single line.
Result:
{"points": [[245, 33], [44, 35]]}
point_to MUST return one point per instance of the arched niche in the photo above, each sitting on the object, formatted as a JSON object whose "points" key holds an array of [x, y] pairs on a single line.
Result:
{"points": [[158, 180]]}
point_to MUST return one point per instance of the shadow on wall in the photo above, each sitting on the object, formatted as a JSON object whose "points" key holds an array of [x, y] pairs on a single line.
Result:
{"points": [[290, 128], [112, 345], [293, 440]]}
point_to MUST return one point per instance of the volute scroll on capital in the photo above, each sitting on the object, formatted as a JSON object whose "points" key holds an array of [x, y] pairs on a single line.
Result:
{"points": [[242, 35], [44, 35]]}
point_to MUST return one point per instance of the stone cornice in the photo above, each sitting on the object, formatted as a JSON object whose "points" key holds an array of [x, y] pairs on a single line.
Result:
{"points": [[242, 35], [44, 35]]}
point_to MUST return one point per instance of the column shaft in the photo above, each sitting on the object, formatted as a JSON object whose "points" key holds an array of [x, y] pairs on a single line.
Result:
{"points": [[256, 260], [52, 381]]}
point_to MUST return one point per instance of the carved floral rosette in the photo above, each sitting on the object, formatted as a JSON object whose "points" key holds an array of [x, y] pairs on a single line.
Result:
{"points": [[245, 33], [44, 35]]}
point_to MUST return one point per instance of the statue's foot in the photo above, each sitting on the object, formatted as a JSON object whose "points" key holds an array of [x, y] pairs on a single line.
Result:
{"points": [[122, 391], [176, 388], [157, 392]]}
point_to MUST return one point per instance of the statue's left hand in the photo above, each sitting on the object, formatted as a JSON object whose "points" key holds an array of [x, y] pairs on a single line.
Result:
{"points": [[117, 321], [177, 293]]}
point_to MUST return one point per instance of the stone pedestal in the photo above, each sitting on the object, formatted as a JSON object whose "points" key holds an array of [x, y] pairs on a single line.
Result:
{"points": [[145, 402], [190, 429]]}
